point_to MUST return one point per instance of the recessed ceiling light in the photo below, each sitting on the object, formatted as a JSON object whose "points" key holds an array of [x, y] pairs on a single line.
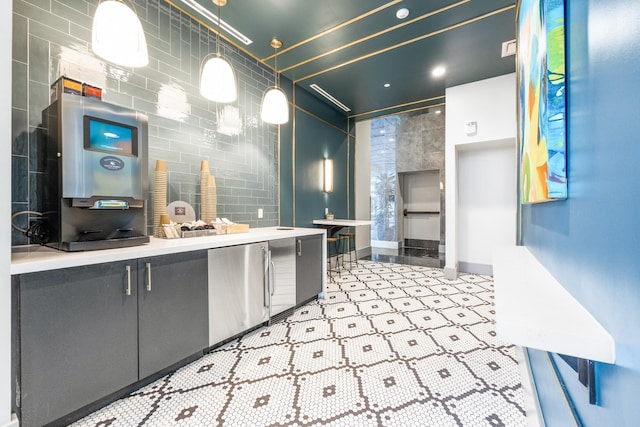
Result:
{"points": [[402, 13], [438, 71], [387, 84], [438, 111]]}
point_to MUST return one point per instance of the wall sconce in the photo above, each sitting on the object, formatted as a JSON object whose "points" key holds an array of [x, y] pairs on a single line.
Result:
{"points": [[328, 175]]}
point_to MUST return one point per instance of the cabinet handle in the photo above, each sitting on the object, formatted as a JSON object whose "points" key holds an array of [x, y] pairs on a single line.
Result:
{"points": [[148, 277], [128, 290], [265, 277], [299, 242]]}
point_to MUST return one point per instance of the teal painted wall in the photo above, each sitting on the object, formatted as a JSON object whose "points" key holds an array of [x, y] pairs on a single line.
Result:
{"points": [[591, 241], [316, 131]]}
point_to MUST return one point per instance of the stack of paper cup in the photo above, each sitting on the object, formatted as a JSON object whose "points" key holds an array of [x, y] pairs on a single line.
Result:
{"points": [[159, 197], [164, 219], [204, 181], [211, 199]]}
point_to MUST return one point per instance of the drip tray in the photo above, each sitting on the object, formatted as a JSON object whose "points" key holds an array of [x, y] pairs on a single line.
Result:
{"points": [[92, 245]]}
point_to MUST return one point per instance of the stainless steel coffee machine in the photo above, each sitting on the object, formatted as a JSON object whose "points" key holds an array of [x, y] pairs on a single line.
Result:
{"points": [[97, 174]]}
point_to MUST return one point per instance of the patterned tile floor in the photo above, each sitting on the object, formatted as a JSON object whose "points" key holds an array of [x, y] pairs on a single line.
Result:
{"points": [[391, 345]]}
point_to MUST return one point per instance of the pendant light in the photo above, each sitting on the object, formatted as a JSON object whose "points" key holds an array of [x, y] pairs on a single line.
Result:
{"points": [[217, 79], [117, 35], [275, 107]]}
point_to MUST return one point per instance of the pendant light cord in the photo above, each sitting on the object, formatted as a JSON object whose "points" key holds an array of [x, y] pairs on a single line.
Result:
{"points": [[218, 35], [276, 61]]}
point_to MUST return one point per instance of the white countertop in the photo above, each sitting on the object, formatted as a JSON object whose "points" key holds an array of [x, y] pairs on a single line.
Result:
{"points": [[43, 258], [534, 310], [342, 222]]}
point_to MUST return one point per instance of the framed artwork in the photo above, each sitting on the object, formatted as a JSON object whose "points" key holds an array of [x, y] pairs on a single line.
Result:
{"points": [[542, 119]]}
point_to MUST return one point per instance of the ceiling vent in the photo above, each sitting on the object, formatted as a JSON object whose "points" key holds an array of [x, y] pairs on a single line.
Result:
{"points": [[214, 20], [508, 48], [329, 97]]}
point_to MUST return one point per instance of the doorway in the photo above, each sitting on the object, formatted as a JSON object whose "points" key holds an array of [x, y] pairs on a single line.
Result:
{"points": [[421, 200]]}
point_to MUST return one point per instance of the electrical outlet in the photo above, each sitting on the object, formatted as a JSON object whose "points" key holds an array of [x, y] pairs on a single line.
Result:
{"points": [[260, 213]]}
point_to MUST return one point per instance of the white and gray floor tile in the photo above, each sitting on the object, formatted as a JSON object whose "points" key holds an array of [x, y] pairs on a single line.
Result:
{"points": [[390, 345]]}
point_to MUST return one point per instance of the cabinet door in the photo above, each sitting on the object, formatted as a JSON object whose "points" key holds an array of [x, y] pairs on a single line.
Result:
{"points": [[172, 309], [79, 338], [308, 268]]}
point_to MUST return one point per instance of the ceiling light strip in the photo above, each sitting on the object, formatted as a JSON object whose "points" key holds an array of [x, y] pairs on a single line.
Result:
{"points": [[337, 27], [379, 33], [240, 48], [214, 19], [395, 113], [330, 97], [421, 101], [407, 42]]}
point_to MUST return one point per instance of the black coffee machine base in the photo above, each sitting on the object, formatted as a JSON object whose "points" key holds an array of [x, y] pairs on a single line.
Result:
{"points": [[92, 245]]}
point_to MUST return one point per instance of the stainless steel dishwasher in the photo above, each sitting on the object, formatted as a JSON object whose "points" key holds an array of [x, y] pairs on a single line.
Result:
{"points": [[239, 289], [282, 268]]}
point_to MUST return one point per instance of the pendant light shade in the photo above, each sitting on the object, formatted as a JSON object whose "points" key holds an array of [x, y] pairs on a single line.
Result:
{"points": [[117, 35], [275, 107], [217, 80]]}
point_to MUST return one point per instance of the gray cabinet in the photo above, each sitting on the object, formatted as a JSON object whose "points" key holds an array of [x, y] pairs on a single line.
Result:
{"points": [[78, 338], [87, 332], [172, 309], [308, 267]]}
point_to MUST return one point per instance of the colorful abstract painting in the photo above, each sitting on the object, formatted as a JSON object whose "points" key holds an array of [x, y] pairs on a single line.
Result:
{"points": [[542, 100]]}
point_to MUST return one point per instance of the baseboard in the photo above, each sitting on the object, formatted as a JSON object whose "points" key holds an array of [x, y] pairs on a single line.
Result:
{"points": [[451, 273], [13, 423], [363, 252], [474, 268], [385, 244]]}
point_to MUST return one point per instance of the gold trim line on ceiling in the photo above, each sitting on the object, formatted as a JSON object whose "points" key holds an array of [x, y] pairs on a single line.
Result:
{"points": [[395, 113], [337, 27], [393, 107], [407, 42], [379, 33]]}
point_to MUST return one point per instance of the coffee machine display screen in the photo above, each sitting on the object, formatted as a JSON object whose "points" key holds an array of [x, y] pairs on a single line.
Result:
{"points": [[110, 137]]}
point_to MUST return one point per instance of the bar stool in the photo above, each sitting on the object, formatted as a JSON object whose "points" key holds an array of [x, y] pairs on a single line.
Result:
{"points": [[334, 251], [349, 247]]}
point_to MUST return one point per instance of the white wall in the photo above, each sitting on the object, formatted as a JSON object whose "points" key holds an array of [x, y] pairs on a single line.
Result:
{"points": [[5, 213], [487, 185], [363, 183], [491, 104]]}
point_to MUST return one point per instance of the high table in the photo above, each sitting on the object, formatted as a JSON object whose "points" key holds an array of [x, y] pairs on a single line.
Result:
{"points": [[335, 225]]}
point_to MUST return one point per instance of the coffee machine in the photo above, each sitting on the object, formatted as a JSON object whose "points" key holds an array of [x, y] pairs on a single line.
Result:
{"points": [[97, 174]]}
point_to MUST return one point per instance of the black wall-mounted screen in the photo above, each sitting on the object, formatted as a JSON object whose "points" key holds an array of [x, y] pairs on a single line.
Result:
{"points": [[110, 137]]}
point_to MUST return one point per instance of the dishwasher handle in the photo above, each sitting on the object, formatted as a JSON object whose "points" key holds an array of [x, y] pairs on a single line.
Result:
{"points": [[272, 276], [266, 288]]}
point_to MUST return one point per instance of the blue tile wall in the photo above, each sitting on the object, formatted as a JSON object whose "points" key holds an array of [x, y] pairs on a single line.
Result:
{"points": [[52, 38]]}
